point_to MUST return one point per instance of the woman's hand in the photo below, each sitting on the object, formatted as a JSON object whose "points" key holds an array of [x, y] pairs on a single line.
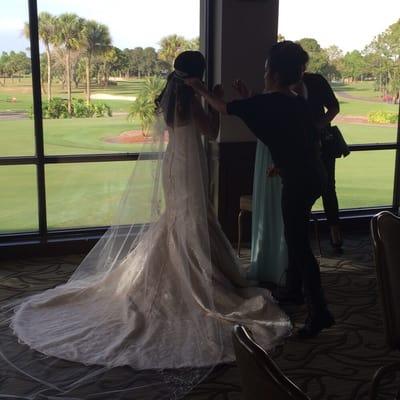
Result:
{"points": [[241, 88], [218, 91], [196, 84], [216, 102]]}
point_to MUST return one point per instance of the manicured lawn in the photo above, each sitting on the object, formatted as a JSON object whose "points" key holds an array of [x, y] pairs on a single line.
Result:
{"points": [[364, 99], [21, 92], [358, 89], [10, 100], [87, 194], [360, 107], [66, 136], [364, 179], [77, 136], [18, 200], [78, 195], [356, 134], [122, 87], [80, 136]]}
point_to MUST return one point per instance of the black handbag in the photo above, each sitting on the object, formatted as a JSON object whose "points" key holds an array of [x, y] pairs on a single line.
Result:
{"points": [[333, 142]]}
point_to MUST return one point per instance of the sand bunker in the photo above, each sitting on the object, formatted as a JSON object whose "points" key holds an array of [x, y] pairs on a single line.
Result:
{"points": [[105, 96]]}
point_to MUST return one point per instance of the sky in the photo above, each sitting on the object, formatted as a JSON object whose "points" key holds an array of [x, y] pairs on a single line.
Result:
{"points": [[132, 23], [349, 24]]}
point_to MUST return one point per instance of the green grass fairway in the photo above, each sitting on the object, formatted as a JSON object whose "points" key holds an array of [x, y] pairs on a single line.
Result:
{"points": [[78, 195], [364, 179], [77, 136], [18, 200], [87, 194], [354, 134], [359, 107], [363, 89], [66, 136], [360, 98]]}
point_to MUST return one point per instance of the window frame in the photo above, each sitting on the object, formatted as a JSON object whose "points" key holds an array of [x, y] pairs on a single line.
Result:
{"points": [[44, 236]]}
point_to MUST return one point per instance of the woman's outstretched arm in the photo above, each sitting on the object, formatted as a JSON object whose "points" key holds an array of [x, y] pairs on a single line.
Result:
{"points": [[216, 102]]}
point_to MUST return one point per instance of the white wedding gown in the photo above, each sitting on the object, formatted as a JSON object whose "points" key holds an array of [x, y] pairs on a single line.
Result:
{"points": [[168, 302]]}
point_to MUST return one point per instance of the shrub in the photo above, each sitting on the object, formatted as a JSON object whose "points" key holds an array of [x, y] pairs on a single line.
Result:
{"points": [[101, 110], [58, 108], [55, 108], [80, 109], [382, 117], [144, 106]]}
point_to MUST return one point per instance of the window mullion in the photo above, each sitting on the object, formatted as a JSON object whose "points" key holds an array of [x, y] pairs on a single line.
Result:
{"points": [[396, 183], [38, 122]]}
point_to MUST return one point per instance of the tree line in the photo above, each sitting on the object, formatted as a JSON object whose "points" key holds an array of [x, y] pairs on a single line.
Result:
{"points": [[14, 64], [80, 50], [379, 61]]}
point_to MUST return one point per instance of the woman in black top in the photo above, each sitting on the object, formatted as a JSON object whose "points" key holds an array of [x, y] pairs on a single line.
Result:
{"points": [[324, 106], [281, 120]]}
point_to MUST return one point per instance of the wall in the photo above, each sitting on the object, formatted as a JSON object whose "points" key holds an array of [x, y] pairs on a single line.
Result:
{"points": [[243, 32]]}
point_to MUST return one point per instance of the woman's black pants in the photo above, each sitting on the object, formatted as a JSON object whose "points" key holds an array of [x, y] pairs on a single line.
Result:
{"points": [[303, 274]]}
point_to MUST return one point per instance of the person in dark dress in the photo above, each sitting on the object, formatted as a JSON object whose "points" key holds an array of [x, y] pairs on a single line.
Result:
{"points": [[283, 122], [324, 106]]}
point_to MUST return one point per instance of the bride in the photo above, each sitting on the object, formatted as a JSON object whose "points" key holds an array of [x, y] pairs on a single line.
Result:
{"points": [[165, 301]]}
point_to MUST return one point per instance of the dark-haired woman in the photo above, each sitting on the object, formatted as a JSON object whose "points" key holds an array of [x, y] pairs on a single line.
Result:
{"points": [[282, 121], [324, 106]]}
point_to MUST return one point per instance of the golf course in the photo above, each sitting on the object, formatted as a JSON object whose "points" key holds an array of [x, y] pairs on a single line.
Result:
{"points": [[87, 194]]}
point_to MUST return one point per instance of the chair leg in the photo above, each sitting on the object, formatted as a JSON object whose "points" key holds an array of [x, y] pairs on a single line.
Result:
{"points": [[379, 375], [239, 232], [317, 236]]}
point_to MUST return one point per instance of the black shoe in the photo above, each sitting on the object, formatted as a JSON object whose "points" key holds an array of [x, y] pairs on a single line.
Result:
{"points": [[284, 296], [315, 324]]}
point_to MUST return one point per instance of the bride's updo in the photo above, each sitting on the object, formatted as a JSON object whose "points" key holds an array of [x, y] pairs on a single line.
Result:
{"points": [[190, 63], [176, 98]]}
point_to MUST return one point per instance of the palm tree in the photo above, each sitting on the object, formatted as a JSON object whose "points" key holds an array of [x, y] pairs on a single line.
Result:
{"points": [[144, 107], [69, 28], [170, 47], [47, 36], [193, 44], [95, 39]]}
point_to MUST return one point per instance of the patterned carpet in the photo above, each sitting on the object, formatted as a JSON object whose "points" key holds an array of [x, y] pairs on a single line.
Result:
{"points": [[338, 364]]}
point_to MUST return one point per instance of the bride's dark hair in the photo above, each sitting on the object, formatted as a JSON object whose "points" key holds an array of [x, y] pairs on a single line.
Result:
{"points": [[189, 64]]}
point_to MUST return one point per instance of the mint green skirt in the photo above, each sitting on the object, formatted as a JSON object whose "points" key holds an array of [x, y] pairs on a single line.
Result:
{"points": [[268, 246]]}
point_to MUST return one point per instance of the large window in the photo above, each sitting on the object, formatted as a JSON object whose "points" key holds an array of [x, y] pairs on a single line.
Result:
{"points": [[76, 82], [360, 62]]}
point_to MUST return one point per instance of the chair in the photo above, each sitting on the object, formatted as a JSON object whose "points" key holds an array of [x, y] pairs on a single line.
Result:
{"points": [[316, 232], [245, 207], [260, 377], [385, 232]]}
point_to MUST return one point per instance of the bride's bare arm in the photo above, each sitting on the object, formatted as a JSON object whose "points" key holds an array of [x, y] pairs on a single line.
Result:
{"points": [[208, 124]]}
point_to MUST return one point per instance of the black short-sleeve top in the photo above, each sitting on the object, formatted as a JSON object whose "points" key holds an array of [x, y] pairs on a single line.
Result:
{"points": [[284, 124]]}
